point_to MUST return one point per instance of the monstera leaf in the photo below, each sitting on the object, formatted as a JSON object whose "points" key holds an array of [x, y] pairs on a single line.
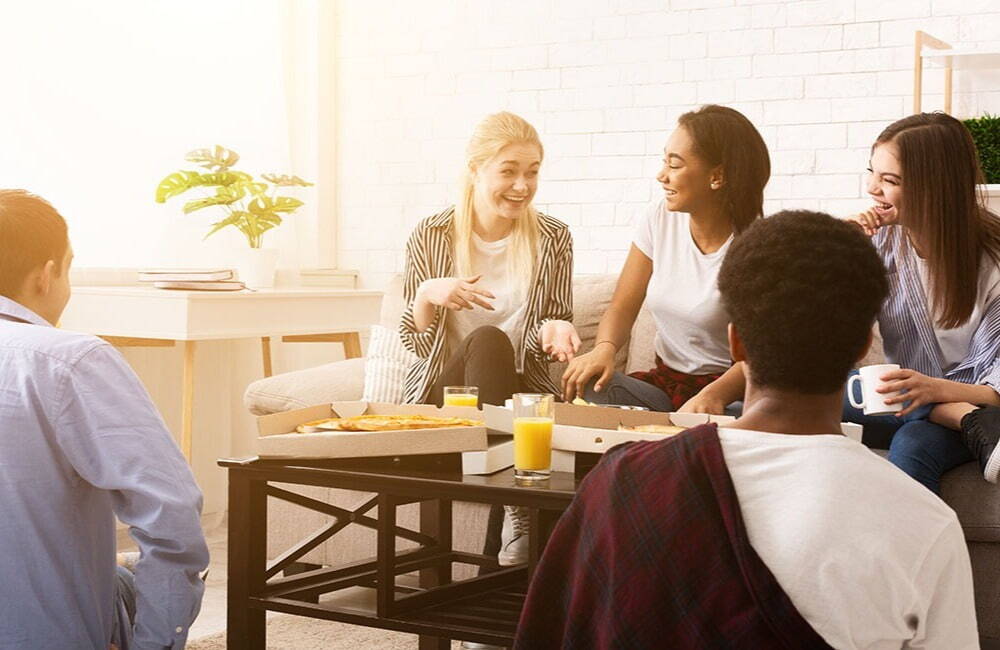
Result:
{"points": [[285, 180], [177, 183], [250, 209], [218, 158], [225, 195], [233, 219], [265, 205], [180, 182], [226, 178]]}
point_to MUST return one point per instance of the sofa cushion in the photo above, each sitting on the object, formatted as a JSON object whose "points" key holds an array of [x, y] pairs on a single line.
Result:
{"points": [[340, 381], [976, 502], [641, 351], [385, 366], [393, 304]]}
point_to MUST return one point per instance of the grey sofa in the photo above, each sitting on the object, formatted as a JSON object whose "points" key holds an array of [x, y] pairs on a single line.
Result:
{"points": [[964, 489]]}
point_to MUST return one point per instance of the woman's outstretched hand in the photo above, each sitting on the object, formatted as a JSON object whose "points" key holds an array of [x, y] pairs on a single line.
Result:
{"points": [[599, 362], [559, 340]]}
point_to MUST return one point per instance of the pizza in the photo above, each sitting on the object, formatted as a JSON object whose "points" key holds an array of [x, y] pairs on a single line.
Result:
{"points": [[662, 429], [385, 423]]}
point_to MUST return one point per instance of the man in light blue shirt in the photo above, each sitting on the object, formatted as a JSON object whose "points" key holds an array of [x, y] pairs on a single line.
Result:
{"points": [[81, 443]]}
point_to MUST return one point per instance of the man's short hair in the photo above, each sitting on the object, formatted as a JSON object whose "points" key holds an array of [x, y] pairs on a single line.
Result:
{"points": [[32, 232], [802, 290]]}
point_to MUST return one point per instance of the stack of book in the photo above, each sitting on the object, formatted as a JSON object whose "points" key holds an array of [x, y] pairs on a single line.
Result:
{"points": [[192, 279]]}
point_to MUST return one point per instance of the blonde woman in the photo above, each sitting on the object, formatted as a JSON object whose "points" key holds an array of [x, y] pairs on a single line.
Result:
{"points": [[488, 280]]}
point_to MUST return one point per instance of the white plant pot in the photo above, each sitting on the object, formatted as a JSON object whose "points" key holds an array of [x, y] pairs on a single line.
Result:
{"points": [[992, 193], [256, 267]]}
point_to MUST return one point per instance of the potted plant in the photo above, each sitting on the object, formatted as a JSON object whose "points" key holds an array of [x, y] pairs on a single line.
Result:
{"points": [[985, 132], [253, 207]]}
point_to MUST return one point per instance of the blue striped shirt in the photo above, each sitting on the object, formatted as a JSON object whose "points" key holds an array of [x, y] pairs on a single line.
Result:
{"points": [[907, 326]]}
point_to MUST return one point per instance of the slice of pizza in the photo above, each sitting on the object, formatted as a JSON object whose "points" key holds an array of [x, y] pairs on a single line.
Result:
{"points": [[662, 429], [388, 423], [325, 424]]}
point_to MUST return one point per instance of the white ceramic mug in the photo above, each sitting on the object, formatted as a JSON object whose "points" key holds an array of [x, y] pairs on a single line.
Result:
{"points": [[873, 402]]}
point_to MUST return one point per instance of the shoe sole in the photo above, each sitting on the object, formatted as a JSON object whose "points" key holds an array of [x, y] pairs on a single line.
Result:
{"points": [[504, 559], [992, 471]]}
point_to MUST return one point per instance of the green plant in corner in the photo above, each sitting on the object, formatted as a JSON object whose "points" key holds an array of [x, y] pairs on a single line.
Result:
{"points": [[985, 132], [251, 206]]}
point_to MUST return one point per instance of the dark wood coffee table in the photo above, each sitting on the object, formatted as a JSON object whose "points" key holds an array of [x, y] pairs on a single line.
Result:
{"points": [[484, 609]]}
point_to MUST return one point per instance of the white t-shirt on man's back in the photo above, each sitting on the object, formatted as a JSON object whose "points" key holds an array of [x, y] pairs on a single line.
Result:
{"points": [[682, 296], [868, 556]]}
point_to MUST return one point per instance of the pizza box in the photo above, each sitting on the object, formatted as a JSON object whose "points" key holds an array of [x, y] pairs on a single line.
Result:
{"points": [[278, 438], [594, 429], [499, 455]]}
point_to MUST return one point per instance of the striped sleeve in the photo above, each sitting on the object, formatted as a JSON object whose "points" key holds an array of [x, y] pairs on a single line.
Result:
{"points": [[418, 268], [559, 302], [984, 351]]}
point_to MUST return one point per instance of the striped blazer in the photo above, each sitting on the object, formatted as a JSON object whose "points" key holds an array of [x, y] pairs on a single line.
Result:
{"points": [[907, 326], [550, 297]]}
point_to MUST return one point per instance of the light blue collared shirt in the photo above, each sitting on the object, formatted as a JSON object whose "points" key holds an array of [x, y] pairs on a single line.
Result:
{"points": [[81, 442]]}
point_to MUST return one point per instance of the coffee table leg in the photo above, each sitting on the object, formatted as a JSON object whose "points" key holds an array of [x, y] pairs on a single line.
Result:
{"points": [[247, 560], [435, 520], [542, 522]]}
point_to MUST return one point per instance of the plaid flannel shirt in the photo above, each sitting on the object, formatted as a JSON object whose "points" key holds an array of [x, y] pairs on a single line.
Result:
{"points": [[653, 553]]}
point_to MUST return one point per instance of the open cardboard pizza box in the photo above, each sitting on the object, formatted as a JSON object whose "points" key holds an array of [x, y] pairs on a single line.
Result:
{"points": [[278, 438], [595, 429]]}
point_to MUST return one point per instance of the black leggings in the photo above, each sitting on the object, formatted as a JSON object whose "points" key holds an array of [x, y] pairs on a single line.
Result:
{"points": [[485, 358]]}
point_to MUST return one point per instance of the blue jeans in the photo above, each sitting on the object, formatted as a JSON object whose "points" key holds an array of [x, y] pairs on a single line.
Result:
{"points": [[628, 391], [920, 448], [623, 390], [121, 633]]}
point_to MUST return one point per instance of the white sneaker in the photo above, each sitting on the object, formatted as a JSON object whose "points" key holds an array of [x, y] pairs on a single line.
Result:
{"points": [[514, 536], [469, 645]]}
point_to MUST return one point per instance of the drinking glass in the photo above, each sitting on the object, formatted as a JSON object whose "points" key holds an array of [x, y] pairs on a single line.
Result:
{"points": [[533, 419], [461, 396]]}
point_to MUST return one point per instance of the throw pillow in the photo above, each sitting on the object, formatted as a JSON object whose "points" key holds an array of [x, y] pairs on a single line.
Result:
{"points": [[385, 366]]}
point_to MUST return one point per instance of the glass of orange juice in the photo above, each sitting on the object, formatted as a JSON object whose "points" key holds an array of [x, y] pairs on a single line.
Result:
{"points": [[461, 396], [532, 436]]}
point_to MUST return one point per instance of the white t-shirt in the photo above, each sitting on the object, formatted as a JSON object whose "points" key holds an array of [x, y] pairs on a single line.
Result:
{"points": [[868, 556], [682, 296], [956, 342], [490, 260]]}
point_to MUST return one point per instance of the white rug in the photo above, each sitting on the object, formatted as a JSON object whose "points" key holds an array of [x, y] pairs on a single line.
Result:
{"points": [[287, 632]]}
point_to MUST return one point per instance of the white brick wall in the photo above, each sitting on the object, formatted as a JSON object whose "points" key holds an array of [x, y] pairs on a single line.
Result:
{"points": [[604, 81]]}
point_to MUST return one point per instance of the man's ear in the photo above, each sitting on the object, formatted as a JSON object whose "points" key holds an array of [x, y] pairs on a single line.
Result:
{"points": [[40, 282], [868, 346], [736, 350]]}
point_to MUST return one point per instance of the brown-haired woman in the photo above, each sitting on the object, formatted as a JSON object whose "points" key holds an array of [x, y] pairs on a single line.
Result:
{"points": [[715, 167], [941, 322]]}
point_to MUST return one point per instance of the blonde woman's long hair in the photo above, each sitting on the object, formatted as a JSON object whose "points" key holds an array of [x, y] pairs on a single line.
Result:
{"points": [[489, 138]]}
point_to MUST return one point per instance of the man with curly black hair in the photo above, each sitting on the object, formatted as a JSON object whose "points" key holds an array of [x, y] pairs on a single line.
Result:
{"points": [[775, 530], [863, 552]]}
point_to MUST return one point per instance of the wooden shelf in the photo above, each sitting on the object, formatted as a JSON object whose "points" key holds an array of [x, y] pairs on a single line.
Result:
{"points": [[963, 60], [937, 53]]}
